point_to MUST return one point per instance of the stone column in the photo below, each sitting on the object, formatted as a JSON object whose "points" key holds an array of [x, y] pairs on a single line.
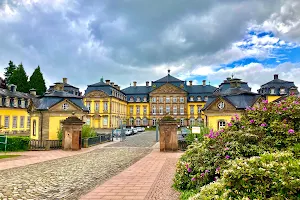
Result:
{"points": [[168, 134]]}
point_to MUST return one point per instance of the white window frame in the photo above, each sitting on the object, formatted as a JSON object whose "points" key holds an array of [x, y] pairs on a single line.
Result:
{"points": [[272, 91], [28, 122], [161, 110], [192, 122], [15, 122], [6, 121], [96, 106], [174, 99], [88, 121], [145, 99], [221, 124], [145, 110], [161, 99], [105, 121], [88, 105], [199, 109], [131, 109], [199, 98], [282, 91], [154, 122], [65, 106], [154, 109], [192, 111], [181, 99], [105, 106], [182, 109], [131, 120], [181, 122], [168, 109], [138, 122], [137, 109], [175, 110], [131, 99], [168, 100], [22, 118], [138, 99], [191, 98], [153, 99], [206, 98]]}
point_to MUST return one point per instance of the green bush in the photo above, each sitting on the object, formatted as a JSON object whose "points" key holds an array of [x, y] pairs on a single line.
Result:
{"points": [[16, 143], [270, 176], [267, 127], [87, 132], [59, 134]]}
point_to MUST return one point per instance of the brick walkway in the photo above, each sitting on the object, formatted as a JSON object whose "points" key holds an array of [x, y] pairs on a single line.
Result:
{"points": [[141, 180], [32, 157]]}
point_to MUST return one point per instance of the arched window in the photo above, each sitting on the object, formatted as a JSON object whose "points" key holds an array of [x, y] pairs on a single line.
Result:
{"points": [[206, 98], [198, 98], [131, 99], [138, 122], [138, 99], [191, 98], [131, 121], [34, 128], [145, 99]]}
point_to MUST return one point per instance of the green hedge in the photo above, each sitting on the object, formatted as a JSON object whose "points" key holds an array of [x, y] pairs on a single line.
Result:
{"points": [[16, 143]]}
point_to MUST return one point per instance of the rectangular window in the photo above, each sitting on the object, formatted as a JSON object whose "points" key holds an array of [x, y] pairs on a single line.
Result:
{"points": [[221, 124], [22, 122], [34, 128], [167, 99], [138, 122], [145, 110], [105, 106], [153, 99], [167, 109], [138, 109], [154, 122], [175, 110], [206, 98], [96, 106], [192, 109], [88, 121], [88, 105], [282, 90], [174, 99], [131, 109], [161, 99], [192, 122], [199, 109], [28, 122], [105, 121], [181, 109], [181, 122], [272, 91], [6, 122], [181, 99], [154, 110], [161, 110], [145, 121], [15, 122]]}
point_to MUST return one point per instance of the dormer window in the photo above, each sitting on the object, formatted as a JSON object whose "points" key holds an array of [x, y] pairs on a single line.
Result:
{"points": [[198, 98], [131, 99], [206, 98], [145, 99], [282, 91], [192, 98], [272, 91], [138, 99]]}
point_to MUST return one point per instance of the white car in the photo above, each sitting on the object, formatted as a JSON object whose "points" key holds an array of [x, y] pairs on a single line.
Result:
{"points": [[128, 131], [139, 129], [143, 129], [135, 131]]}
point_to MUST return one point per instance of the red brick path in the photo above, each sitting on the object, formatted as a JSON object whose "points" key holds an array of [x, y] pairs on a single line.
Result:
{"points": [[136, 181]]}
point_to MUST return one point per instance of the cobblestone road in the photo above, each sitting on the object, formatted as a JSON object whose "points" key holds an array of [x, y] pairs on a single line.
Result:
{"points": [[145, 139], [68, 178]]}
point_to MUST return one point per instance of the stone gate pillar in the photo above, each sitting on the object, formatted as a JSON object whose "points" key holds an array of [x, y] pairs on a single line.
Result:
{"points": [[168, 134], [72, 127]]}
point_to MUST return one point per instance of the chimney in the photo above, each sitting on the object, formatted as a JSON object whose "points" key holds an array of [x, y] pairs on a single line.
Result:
{"points": [[107, 82], [32, 92], [147, 83], [134, 83], [119, 88], [275, 76], [116, 86], [12, 88], [204, 82], [65, 80], [112, 83], [191, 83]]}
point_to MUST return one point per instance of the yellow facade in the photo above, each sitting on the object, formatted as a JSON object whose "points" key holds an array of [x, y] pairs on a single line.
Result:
{"points": [[14, 120], [105, 112], [138, 111], [213, 121], [194, 110], [272, 98], [55, 126]]}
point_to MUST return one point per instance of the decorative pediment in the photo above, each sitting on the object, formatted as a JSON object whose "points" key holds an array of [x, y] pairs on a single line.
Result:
{"points": [[221, 105], [168, 89], [96, 94], [65, 105]]}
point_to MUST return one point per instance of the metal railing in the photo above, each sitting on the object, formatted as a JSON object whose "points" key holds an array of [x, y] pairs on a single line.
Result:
{"points": [[101, 138], [45, 144]]}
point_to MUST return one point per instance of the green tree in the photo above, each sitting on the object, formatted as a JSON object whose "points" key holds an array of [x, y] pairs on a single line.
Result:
{"points": [[37, 81], [9, 71], [20, 79]]}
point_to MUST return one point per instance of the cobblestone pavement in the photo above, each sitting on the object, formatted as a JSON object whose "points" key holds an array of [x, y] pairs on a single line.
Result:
{"points": [[67, 178], [144, 139]]}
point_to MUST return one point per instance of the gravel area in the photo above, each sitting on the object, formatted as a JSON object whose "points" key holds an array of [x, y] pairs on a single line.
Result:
{"points": [[162, 187], [143, 139], [70, 177]]}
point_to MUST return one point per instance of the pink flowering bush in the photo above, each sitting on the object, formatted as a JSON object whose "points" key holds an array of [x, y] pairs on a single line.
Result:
{"points": [[266, 127]]}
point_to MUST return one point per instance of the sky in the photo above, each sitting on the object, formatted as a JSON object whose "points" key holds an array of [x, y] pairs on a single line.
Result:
{"points": [[139, 40]]}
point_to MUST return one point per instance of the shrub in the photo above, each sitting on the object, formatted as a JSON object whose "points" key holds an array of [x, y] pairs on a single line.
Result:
{"points": [[59, 134], [16, 143], [270, 176], [87, 132]]}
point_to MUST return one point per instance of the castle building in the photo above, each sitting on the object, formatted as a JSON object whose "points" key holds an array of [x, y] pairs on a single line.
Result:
{"points": [[67, 87], [49, 110], [14, 118], [277, 88]]}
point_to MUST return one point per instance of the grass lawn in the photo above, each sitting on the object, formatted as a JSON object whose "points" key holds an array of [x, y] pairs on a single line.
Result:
{"points": [[8, 156]]}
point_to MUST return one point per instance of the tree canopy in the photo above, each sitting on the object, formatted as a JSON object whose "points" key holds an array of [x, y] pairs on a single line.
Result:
{"points": [[37, 81]]}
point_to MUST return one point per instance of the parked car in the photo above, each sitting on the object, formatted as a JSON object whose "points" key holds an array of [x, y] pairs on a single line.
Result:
{"points": [[139, 129], [143, 129], [128, 131], [135, 131]]}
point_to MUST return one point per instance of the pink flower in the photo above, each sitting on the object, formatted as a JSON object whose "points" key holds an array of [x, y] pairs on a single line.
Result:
{"points": [[226, 149], [263, 125], [265, 101], [227, 157], [243, 127], [193, 179], [189, 170], [202, 175], [264, 109], [284, 109], [221, 131], [291, 131], [296, 102], [251, 121], [207, 171], [229, 124], [253, 108], [218, 170], [187, 165], [232, 118]]}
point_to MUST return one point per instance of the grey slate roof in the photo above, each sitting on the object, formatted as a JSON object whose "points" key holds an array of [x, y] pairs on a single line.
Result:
{"points": [[277, 84], [6, 92], [65, 85], [50, 99], [167, 79]]}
